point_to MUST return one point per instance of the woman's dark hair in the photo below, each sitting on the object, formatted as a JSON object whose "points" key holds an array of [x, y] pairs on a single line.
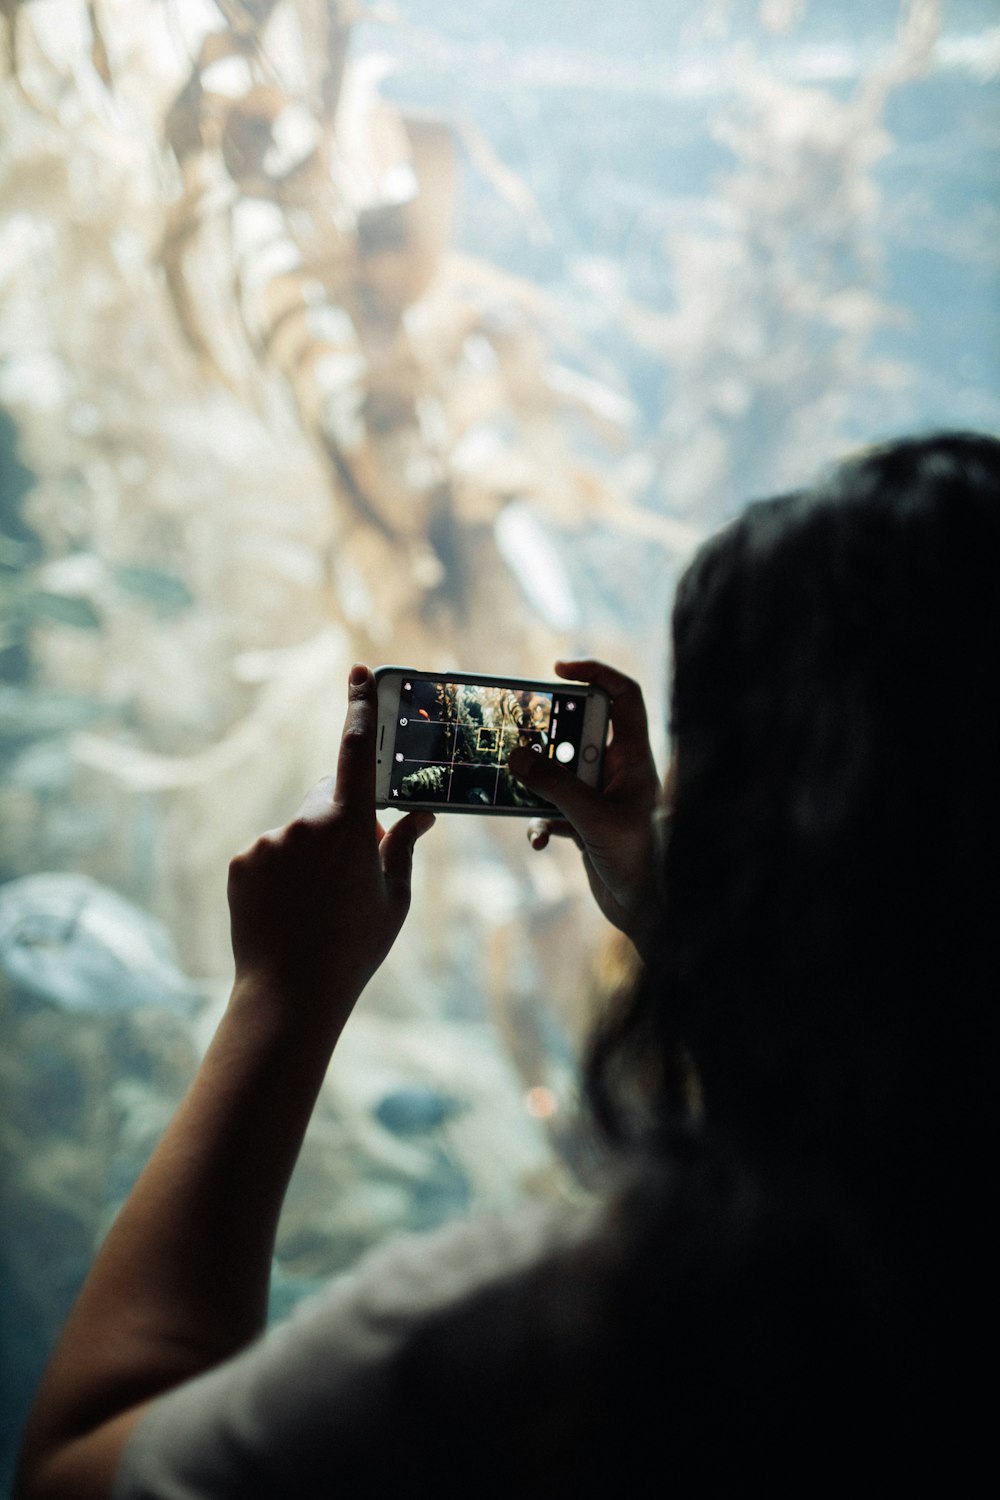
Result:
{"points": [[824, 947]]}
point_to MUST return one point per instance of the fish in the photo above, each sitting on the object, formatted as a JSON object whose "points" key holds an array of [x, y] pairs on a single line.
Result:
{"points": [[416, 1109], [67, 940]]}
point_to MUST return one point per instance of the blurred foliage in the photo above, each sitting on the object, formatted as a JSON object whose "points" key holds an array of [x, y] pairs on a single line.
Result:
{"points": [[259, 419], [275, 418]]}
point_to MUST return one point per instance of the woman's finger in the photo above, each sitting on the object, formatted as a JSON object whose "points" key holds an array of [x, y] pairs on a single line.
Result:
{"points": [[396, 848], [541, 830], [538, 833], [355, 787], [628, 707]]}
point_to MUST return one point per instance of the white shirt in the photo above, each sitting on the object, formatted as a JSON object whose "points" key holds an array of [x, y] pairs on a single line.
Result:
{"points": [[328, 1398]]}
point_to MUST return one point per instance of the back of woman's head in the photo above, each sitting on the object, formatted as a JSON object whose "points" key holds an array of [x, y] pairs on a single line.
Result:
{"points": [[830, 871]]}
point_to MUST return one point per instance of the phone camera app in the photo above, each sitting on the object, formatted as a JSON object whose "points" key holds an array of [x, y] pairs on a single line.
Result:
{"points": [[454, 741]]}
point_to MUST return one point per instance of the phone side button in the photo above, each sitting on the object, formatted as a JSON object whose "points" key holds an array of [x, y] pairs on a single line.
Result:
{"points": [[590, 754]]}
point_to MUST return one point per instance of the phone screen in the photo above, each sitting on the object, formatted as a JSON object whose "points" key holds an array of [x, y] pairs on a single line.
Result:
{"points": [[453, 740]]}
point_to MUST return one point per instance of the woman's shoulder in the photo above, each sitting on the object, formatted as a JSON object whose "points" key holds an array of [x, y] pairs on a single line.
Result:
{"points": [[550, 1343]]}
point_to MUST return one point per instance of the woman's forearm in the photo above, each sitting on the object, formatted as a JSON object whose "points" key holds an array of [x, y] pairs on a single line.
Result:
{"points": [[181, 1282]]}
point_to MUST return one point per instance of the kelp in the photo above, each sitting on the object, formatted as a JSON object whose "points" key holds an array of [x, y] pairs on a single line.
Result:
{"points": [[264, 420], [289, 415]]}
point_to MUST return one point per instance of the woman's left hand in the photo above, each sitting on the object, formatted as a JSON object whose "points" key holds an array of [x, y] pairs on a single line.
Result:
{"points": [[315, 906]]}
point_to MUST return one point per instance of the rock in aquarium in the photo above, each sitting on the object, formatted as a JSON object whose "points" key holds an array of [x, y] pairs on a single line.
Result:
{"points": [[67, 940]]}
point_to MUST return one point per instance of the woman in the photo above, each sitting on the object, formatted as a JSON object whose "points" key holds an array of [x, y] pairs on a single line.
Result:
{"points": [[767, 1294]]}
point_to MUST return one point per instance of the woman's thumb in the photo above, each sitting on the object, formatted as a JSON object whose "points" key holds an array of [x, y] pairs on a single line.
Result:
{"points": [[567, 792]]}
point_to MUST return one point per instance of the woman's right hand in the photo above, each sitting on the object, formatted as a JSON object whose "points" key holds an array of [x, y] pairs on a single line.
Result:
{"points": [[316, 905], [613, 826]]}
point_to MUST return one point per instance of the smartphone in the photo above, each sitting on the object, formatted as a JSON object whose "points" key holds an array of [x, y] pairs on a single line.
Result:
{"points": [[444, 738]]}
